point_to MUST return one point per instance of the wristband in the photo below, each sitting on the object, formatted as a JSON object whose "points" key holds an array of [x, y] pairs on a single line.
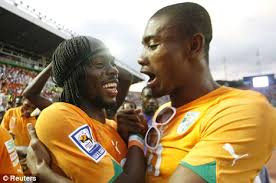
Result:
{"points": [[136, 140]]}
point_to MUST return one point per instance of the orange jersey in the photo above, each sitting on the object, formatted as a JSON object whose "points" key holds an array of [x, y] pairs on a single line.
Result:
{"points": [[16, 123], [225, 136], [82, 148], [9, 162]]}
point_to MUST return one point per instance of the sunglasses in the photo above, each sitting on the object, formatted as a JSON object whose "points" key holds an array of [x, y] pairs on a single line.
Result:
{"points": [[154, 133]]}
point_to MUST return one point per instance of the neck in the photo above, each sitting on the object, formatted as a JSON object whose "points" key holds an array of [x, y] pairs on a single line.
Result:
{"points": [[148, 114], [93, 111], [197, 89]]}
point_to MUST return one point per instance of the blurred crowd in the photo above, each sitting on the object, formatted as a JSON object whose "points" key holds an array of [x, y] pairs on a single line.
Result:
{"points": [[13, 80]]}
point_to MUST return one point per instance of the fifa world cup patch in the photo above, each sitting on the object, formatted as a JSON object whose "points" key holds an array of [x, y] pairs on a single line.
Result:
{"points": [[188, 120], [83, 139]]}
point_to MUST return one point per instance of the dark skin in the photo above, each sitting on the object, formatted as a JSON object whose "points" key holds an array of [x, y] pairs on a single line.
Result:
{"points": [[168, 56], [149, 103], [100, 71], [33, 90], [177, 66]]}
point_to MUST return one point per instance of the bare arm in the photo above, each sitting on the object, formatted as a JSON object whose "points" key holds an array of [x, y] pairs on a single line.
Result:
{"points": [[135, 167], [133, 122], [183, 174], [33, 90], [38, 160], [49, 176], [125, 80]]}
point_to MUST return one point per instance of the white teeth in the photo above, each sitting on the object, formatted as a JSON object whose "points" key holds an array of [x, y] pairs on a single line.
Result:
{"points": [[110, 85]]}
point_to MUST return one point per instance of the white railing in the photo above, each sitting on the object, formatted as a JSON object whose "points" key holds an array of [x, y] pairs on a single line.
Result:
{"points": [[39, 16]]}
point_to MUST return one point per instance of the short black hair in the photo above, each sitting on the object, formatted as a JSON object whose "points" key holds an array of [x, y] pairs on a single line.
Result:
{"points": [[191, 18], [69, 60]]}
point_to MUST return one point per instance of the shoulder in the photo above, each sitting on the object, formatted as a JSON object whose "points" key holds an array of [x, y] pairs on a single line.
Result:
{"points": [[4, 135], [60, 110], [58, 120], [241, 101], [238, 108], [111, 123], [10, 111]]}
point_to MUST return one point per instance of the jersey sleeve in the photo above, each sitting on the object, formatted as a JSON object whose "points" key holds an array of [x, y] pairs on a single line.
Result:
{"points": [[6, 120], [9, 161], [235, 143], [72, 145]]}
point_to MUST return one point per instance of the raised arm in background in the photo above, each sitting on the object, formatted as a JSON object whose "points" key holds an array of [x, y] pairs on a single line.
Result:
{"points": [[33, 90]]}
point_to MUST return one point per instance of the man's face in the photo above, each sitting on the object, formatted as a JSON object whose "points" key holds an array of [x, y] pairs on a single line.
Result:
{"points": [[100, 85], [150, 106], [164, 56], [27, 108], [149, 103]]}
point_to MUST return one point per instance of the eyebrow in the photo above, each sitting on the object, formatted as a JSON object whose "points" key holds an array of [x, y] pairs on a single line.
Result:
{"points": [[147, 38]]}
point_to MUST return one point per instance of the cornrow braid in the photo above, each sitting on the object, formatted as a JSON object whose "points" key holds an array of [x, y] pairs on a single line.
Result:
{"points": [[69, 61]]}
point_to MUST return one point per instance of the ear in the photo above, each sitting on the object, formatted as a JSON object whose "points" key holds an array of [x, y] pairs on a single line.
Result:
{"points": [[197, 45]]}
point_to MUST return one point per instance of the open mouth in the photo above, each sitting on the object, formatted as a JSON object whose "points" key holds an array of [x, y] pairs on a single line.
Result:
{"points": [[110, 85], [111, 88], [152, 78]]}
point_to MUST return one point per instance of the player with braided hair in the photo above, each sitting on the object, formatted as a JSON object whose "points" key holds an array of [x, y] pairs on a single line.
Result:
{"points": [[86, 71]]}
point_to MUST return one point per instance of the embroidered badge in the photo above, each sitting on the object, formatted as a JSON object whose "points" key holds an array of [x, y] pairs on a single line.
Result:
{"points": [[188, 120], [83, 139]]}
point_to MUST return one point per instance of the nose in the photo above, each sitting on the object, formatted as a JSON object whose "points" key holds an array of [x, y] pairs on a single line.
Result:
{"points": [[152, 101], [142, 60], [112, 70]]}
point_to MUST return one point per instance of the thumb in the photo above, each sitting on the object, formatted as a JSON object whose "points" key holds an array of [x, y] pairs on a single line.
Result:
{"points": [[31, 131]]}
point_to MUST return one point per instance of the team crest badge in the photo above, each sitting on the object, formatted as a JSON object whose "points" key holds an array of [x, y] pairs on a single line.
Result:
{"points": [[188, 120], [83, 139]]}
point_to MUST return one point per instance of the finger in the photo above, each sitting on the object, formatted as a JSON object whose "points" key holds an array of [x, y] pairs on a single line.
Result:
{"points": [[129, 126], [128, 117], [126, 111], [31, 131], [142, 119], [137, 111], [126, 122]]}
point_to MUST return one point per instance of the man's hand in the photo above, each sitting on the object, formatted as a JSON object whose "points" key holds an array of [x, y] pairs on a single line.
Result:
{"points": [[21, 151], [38, 157], [131, 122]]}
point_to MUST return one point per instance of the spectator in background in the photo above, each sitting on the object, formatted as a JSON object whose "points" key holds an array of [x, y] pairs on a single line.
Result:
{"points": [[149, 104], [9, 163], [2, 112], [15, 121]]}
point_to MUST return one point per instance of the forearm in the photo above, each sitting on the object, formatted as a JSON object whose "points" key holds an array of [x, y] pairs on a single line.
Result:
{"points": [[21, 151], [33, 90], [37, 84], [46, 175], [125, 80], [135, 166]]}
